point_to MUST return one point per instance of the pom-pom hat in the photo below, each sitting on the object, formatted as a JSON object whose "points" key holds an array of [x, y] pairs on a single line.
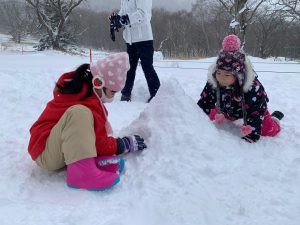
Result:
{"points": [[231, 43], [110, 72], [231, 58]]}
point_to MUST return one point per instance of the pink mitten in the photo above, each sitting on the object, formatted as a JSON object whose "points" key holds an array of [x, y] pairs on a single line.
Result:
{"points": [[245, 130], [219, 118], [212, 114]]}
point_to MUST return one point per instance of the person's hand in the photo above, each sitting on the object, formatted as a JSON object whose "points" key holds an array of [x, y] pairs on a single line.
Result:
{"points": [[219, 117], [112, 16], [215, 116], [124, 20], [130, 144], [212, 114], [115, 22], [251, 138], [245, 130], [115, 25]]}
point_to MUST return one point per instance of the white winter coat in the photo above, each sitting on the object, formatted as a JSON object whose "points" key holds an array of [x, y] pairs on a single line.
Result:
{"points": [[139, 13]]}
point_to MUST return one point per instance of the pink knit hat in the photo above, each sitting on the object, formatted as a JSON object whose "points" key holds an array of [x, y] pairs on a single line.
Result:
{"points": [[231, 43], [112, 70], [231, 58]]}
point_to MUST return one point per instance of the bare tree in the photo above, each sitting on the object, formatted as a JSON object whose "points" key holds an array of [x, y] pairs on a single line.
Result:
{"points": [[185, 34], [290, 7], [165, 31], [242, 12], [268, 26], [200, 11], [62, 9], [17, 19]]}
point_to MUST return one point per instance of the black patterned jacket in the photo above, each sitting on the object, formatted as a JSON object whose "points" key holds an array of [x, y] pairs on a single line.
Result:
{"points": [[255, 100]]}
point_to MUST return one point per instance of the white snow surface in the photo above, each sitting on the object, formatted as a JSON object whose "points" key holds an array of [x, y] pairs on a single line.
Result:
{"points": [[192, 173]]}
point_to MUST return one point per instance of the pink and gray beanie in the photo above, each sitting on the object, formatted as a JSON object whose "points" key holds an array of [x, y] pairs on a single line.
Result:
{"points": [[231, 58], [113, 70]]}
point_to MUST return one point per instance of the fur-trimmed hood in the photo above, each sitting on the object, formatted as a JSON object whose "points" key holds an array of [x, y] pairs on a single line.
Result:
{"points": [[249, 75]]}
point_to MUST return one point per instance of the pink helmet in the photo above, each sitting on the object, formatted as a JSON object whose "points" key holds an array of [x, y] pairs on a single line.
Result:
{"points": [[111, 71]]}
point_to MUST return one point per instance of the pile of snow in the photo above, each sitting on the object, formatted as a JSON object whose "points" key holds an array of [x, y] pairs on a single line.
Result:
{"points": [[192, 172]]}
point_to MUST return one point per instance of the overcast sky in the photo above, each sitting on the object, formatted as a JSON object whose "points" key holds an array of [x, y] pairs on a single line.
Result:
{"points": [[172, 5]]}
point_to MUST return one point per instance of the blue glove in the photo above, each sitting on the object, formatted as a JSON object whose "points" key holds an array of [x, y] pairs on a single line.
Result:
{"points": [[130, 144]]}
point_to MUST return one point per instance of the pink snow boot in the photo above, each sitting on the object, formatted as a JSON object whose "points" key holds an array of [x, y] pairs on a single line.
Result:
{"points": [[85, 174], [270, 126], [114, 164]]}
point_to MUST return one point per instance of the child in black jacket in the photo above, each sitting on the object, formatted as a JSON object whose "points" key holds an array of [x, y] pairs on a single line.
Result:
{"points": [[233, 92]]}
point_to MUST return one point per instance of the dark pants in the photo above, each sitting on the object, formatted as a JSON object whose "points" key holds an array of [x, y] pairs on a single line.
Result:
{"points": [[141, 50]]}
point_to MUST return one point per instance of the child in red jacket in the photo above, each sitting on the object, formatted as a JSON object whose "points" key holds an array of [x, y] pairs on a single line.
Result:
{"points": [[73, 130]]}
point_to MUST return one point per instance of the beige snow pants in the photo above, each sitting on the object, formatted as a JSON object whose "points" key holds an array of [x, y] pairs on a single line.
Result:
{"points": [[70, 140]]}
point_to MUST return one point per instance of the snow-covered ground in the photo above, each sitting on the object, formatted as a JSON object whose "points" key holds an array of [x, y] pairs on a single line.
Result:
{"points": [[192, 173]]}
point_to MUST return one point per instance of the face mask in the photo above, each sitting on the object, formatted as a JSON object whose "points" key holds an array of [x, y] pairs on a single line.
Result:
{"points": [[104, 99]]}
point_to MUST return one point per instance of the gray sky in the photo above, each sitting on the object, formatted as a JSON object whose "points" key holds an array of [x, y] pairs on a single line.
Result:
{"points": [[171, 5]]}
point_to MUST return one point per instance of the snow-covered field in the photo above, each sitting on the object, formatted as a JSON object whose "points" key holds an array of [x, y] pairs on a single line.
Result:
{"points": [[192, 173]]}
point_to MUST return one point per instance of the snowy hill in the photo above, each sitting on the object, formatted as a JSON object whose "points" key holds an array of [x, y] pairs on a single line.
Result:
{"points": [[191, 173]]}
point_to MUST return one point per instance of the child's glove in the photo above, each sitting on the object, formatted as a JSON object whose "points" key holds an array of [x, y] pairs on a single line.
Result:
{"points": [[219, 117], [251, 138], [212, 114], [245, 130], [130, 144]]}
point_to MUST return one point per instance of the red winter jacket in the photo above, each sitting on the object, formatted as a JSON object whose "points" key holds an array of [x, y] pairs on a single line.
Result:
{"points": [[54, 110]]}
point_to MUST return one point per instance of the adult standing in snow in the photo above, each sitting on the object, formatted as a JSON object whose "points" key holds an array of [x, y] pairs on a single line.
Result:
{"points": [[233, 92], [135, 17], [73, 129]]}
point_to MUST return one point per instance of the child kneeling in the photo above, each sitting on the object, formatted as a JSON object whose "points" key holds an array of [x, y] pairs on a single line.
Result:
{"points": [[73, 130], [233, 92]]}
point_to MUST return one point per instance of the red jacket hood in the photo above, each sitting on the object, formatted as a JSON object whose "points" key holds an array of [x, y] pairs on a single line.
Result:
{"points": [[62, 81]]}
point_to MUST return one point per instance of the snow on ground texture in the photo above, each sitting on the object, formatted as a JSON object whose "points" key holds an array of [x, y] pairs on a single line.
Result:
{"points": [[191, 173]]}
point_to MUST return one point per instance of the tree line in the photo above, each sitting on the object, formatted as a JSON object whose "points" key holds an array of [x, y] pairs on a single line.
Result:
{"points": [[266, 28]]}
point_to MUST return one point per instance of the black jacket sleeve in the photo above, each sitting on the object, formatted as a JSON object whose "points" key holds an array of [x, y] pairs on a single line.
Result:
{"points": [[255, 105], [208, 98]]}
